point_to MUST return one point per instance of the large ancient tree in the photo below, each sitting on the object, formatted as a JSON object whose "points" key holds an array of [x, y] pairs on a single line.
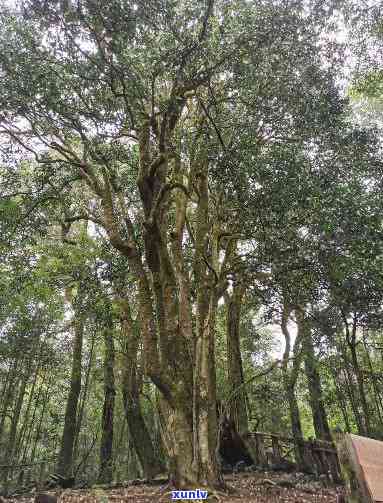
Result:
{"points": [[142, 105]]}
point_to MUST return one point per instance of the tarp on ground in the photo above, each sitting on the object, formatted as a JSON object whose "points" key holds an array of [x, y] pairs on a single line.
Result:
{"points": [[369, 455]]}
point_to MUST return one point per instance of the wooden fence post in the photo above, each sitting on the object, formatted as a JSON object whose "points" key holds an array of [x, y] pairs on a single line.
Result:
{"points": [[41, 476], [277, 452], [261, 453]]}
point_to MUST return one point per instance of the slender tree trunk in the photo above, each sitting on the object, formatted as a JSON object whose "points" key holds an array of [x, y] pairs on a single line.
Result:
{"points": [[321, 427], [364, 423], [45, 402], [8, 380], [118, 467], [237, 393], [31, 425], [138, 431], [65, 460], [106, 450], [7, 375], [8, 395], [23, 429], [15, 421], [290, 376], [341, 401], [16, 415], [361, 389], [350, 389], [296, 427], [84, 395], [375, 384]]}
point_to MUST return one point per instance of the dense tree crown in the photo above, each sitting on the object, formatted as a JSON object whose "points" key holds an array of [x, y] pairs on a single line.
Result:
{"points": [[191, 234]]}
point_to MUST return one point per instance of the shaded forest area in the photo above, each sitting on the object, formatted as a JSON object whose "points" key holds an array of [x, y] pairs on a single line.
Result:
{"points": [[191, 244]]}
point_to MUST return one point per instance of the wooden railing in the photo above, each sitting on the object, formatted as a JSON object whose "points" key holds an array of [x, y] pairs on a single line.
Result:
{"points": [[269, 450], [24, 476]]}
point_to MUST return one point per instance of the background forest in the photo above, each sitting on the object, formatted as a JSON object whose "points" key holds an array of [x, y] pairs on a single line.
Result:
{"points": [[191, 221]]}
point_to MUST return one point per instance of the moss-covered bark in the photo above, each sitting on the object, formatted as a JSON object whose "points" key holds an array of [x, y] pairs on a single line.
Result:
{"points": [[106, 448], [290, 376], [65, 459], [321, 427], [237, 392], [138, 431]]}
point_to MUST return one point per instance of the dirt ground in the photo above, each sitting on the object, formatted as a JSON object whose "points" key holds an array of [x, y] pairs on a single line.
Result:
{"points": [[248, 488]]}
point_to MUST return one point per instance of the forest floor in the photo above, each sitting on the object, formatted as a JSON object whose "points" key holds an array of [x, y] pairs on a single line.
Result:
{"points": [[255, 487]]}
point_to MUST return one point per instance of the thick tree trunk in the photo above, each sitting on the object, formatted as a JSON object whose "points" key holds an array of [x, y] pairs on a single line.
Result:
{"points": [[106, 448], [177, 435], [237, 393], [189, 405], [205, 401], [181, 367], [65, 459], [210, 286]]}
